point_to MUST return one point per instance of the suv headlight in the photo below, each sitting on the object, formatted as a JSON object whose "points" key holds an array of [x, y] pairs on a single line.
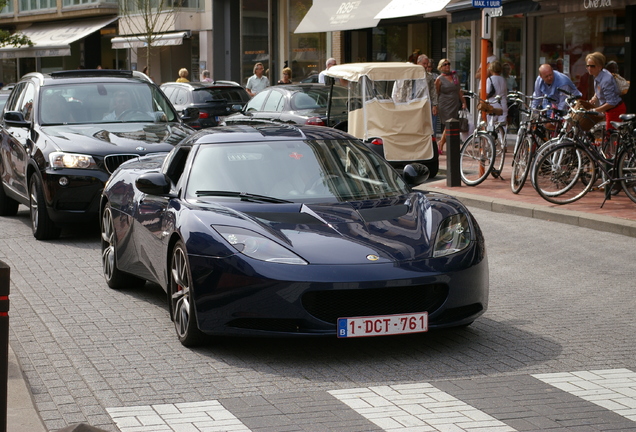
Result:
{"points": [[71, 160], [258, 247], [453, 235]]}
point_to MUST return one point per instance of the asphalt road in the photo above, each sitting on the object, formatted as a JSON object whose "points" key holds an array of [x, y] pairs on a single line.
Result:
{"points": [[561, 300]]}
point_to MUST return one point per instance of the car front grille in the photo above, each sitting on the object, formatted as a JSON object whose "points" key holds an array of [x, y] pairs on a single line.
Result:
{"points": [[331, 305], [112, 162]]}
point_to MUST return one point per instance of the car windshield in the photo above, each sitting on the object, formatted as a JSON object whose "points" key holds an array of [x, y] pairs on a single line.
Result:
{"points": [[298, 171], [96, 102], [229, 95], [318, 97]]}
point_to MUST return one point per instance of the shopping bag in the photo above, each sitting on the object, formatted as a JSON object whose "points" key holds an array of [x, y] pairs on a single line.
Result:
{"points": [[463, 120], [471, 127], [621, 83]]}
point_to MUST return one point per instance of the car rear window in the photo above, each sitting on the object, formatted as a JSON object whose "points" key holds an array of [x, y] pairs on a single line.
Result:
{"points": [[229, 95]]}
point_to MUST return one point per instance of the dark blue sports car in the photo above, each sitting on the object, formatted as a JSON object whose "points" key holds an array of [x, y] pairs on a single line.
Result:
{"points": [[291, 230]]}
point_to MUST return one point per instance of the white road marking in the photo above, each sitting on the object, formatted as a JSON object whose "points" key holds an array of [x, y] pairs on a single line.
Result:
{"points": [[613, 389]]}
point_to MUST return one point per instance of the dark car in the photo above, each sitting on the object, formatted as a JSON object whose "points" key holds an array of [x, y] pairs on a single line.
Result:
{"points": [[214, 100], [292, 231], [295, 104], [63, 134]]}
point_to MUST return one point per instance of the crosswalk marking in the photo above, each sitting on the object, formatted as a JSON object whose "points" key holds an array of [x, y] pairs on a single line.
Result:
{"points": [[421, 406], [613, 389], [404, 407], [197, 416]]}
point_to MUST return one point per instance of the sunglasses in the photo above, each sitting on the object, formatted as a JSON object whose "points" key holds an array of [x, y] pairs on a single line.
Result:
{"points": [[446, 64], [590, 66]]}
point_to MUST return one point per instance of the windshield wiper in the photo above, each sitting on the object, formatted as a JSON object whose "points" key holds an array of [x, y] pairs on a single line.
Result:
{"points": [[244, 196]]}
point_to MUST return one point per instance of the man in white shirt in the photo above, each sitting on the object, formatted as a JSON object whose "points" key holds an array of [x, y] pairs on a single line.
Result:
{"points": [[328, 64], [257, 82]]}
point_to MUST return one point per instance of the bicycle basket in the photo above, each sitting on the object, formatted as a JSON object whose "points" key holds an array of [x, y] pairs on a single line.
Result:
{"points": [[586, 121], [487, 108]]}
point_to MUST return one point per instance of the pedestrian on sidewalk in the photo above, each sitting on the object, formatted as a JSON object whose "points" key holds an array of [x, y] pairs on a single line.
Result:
{"points": [[607, 97], [450, 97]]}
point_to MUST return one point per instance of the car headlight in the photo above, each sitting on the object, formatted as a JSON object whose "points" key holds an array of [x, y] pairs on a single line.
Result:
{"points": [[71, 160], [258, 247], [453, 235]]}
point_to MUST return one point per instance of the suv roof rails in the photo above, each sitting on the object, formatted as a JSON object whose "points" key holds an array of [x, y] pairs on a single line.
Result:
{"points": [[91, 73]]}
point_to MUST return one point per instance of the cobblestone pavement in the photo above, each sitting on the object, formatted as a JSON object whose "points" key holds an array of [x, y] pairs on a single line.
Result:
{"points": [[555, 351]]}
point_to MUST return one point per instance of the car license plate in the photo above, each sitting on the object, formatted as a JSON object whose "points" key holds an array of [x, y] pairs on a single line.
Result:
{"points": [[382, 325]]}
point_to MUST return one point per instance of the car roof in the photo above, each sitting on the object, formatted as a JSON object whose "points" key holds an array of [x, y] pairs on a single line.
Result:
{"points": [[80, 75], [201, 85], [266, 132]]}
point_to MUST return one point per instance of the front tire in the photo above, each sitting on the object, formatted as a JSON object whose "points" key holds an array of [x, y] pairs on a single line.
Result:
{"points": [[477, 157], [42, 225], [521, 164], [182, 308], [115, 278]]}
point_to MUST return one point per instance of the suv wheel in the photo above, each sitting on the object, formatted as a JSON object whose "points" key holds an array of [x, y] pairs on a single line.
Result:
{"points": [[42, 225]]}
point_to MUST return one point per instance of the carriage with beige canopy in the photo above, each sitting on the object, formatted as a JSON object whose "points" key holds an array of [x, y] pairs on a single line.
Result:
{"points": [[390, 110]]}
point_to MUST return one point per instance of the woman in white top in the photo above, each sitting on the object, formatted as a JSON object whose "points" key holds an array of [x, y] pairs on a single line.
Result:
{"points": [[496, 86]]}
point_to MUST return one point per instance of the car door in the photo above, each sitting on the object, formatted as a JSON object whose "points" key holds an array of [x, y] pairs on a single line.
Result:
{"points": [[17, 144]]}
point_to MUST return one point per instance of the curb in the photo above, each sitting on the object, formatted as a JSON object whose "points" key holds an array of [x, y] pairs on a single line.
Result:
{"points": [[571, 217]]}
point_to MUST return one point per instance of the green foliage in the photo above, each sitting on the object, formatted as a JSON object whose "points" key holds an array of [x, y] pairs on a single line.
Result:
{"points": [[14, 40]]}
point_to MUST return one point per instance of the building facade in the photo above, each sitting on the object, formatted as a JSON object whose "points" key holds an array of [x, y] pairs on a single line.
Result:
{"points": [[68, 34]]}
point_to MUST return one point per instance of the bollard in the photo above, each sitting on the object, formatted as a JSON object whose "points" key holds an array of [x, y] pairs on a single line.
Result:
{"points": [[4, 342], [453, 176]]}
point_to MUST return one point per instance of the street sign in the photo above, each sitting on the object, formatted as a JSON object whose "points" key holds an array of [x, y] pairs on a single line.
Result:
{"points": [[486, 3], [486, 20]]}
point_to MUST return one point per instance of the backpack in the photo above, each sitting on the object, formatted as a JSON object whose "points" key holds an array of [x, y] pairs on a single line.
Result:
{"points": [[621, 83]]}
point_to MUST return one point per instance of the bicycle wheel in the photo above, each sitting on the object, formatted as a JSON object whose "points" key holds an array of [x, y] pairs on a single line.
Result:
{"points": [[477, 157], [500, 154], [627, 171], [543, 148], [564, 173], [521, 164]]}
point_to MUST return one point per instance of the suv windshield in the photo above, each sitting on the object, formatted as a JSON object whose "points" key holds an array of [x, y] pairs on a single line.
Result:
{"points": [[229, 95], [96, 102], [295, 171]]}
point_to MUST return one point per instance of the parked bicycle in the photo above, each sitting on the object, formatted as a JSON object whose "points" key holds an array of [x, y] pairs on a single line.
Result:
{"points": [[538, 126], [483, 152], [568, 170]]}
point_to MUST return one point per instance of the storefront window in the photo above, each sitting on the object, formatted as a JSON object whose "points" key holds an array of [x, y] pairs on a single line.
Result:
{"points": [[509, 49], [390, 44], [255, 38], [459, 51], [308, 51], [564, 41]]}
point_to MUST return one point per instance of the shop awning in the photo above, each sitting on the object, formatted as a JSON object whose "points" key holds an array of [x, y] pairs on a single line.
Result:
{"points": [[55, 39], [137, 41], [463, 11], [404, 8], [338, 15]]}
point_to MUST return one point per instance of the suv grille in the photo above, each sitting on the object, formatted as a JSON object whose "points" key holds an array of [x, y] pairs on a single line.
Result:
{"points": [[112, 162], [331, 305]]}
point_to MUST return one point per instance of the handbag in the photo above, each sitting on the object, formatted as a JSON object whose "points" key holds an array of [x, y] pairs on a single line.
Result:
{"points": [[621, 83], [463, 120]]}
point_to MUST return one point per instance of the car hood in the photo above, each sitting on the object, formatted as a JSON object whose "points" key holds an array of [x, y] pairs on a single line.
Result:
{"points": [[108, 138], [387, 230]]}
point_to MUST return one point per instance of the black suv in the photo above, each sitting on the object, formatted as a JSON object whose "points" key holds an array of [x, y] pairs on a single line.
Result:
{"points": [[214, 100], [63, 134]]}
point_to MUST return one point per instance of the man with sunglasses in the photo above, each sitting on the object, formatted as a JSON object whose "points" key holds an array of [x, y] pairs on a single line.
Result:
{"points": [[548, 84]]}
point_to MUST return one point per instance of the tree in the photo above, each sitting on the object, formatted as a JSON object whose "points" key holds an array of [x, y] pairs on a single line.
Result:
{"points": [[147, 19], [8, 39]]}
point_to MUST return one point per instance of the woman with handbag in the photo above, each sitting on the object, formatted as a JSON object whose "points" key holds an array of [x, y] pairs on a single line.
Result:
{"points": [[497, 90], [450, 97]]}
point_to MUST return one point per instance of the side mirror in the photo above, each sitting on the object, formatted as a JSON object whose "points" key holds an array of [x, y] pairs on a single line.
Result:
{"points": [[16, 119], [415, 174], [189, 114], [153, 184], [236, 108]]}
